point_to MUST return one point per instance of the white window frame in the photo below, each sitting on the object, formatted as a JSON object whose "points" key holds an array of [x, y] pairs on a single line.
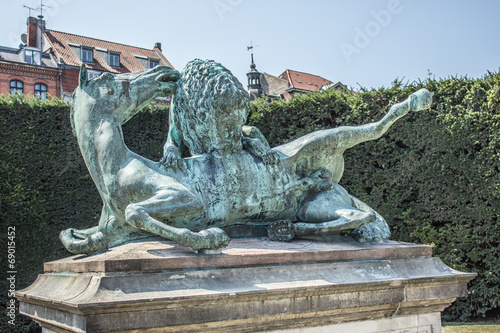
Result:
{"points": [[113, 55], [33, 55], [86, 50]]}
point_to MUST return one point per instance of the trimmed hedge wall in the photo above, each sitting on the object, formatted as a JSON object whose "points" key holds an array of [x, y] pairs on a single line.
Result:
{"points": [[434, 176], [45, 186]]}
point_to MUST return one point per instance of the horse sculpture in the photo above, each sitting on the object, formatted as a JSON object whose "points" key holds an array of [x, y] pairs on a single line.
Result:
{"points": [[227, 176]]}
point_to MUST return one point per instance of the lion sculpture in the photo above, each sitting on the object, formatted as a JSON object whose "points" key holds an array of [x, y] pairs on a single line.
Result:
{"points": [[216, 173]]}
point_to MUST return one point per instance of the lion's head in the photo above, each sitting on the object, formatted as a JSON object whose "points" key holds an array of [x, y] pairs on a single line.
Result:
{"points": [[210, 106]]}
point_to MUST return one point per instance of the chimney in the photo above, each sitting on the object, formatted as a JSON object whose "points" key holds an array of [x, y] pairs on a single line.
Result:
{"points": [[32, 29], [35, 27], [158, 45]]}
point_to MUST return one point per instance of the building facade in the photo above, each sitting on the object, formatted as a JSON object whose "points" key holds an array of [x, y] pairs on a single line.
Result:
{"points": [[28, 71], [288, 84], [49, 62]]}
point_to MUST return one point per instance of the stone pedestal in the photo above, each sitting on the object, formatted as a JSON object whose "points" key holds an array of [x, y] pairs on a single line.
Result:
{"points": [[254, 285]]}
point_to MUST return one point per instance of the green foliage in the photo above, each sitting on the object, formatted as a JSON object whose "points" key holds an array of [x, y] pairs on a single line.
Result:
{"points": [[435, 175], [44, 184]]}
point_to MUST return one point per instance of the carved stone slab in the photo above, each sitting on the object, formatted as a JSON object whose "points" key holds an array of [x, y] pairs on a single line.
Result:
{"points": [[254, 285]]}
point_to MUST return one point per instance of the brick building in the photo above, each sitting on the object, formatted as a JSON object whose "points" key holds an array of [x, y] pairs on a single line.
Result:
{"points": [[28, 71], [300, 83], [51, 60], [288, 84], [99, 56]]}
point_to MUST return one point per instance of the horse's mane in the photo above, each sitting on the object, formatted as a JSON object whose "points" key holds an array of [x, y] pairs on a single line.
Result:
{"points": [[207, 94]]}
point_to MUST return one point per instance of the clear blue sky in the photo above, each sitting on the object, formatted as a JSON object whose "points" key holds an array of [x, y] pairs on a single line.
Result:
{"points": [[365, 42]]}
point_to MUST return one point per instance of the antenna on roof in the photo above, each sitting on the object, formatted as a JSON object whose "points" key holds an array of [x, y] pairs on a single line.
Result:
{"points": [[30, 9], [41, 8]]}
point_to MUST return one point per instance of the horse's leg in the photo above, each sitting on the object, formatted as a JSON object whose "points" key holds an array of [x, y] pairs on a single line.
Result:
{"points": [[86, 240], [84, 233], [326, 212], [374, 232], [320, 219], [345, 212], [91, 243], [341, 138], [166, 205], [349, 137], [347, 219]]}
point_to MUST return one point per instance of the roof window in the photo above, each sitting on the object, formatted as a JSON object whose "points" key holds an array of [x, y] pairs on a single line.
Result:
{"points": [[114, 60], [153, 63], [147, 62], [87, 55], [32, 56]]}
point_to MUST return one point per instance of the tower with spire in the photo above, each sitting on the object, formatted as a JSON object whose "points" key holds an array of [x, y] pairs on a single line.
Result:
{"points": [[254, 76]]}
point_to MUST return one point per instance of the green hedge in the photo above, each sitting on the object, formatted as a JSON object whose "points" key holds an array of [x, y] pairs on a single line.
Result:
{"points": [[44, 184], [435, 175]]}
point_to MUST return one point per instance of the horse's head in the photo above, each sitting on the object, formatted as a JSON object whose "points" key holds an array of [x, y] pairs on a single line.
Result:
{"points": [[125, 94]]}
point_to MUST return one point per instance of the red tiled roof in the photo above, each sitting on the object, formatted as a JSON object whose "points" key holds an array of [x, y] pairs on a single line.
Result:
{"points": [[128, 62], [304, 81]]}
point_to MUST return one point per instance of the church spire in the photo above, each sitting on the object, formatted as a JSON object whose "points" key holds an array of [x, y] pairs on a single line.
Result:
{"points": [[252, 65], [254, 76]]}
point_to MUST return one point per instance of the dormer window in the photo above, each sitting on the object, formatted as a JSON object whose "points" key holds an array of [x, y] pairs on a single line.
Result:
{"points": [[87, 55], [147, 62], [114, 60], [32, 56]]}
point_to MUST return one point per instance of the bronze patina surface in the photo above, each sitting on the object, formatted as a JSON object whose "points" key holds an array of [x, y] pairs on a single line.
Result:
{"points": [[216, 173]]}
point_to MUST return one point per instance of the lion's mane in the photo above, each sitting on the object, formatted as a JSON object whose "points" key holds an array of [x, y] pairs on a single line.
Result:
{"points": [[209, 95]]}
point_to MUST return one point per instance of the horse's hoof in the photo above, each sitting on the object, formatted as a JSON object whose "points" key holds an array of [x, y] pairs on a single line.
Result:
{"points": [[210, 251], [374, 232], [212, 239], [282, 231], [324, 185]]}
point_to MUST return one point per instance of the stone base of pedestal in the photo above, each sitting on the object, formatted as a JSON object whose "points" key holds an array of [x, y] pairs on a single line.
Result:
{"points": [[254, 285]]}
